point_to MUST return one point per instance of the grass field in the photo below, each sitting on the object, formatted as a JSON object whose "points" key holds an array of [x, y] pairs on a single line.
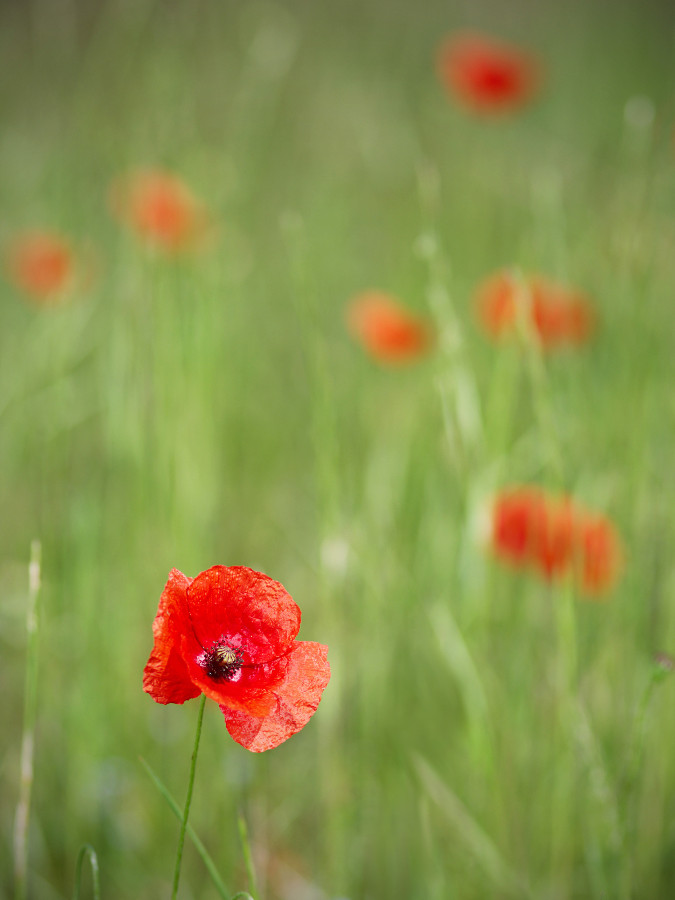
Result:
{"points": [[486, 733]]}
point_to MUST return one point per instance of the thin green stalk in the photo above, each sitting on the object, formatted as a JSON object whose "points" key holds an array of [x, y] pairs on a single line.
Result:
{"points": [[456, 386], [188, 799], [324, 426], [199, 847], [507, 881], [538, 378], [29, 717], [567, 727], [87, 850], [661, 668], [248, 856], [564, 601], [601, 819], [566, 627]]}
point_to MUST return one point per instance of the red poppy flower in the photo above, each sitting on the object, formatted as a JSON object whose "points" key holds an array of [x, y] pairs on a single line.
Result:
{"points": [[599, 554], [41, 264], [560, 315], [161, 209], [554, 537], [486, 75], [554, 541], [230, 634], [517, 522], [557, 314], [388, 331]]}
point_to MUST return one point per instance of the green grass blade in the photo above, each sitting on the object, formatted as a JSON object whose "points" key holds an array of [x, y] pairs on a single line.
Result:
{"points": [[28, 737], [474, 837], [86, 850], [199, 847], [248, 856]]}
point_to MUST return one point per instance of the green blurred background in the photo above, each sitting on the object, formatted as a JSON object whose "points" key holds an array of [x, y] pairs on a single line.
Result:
{"points": [[478, 736]]}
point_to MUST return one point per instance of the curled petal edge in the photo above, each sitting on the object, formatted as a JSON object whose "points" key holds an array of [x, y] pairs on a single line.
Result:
{"points": [[297, 698], [166, 677]]}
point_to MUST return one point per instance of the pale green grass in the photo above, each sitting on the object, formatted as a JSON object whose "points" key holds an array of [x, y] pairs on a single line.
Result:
{"points": [[483, 735]]}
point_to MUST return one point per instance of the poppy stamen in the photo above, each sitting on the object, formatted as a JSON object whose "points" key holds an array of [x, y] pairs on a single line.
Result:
{"points": [[222, 662]]}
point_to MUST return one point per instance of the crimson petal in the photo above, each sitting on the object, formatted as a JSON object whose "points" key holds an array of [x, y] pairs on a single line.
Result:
{"points": [[166, 677], [297, 698], [245, 610]]}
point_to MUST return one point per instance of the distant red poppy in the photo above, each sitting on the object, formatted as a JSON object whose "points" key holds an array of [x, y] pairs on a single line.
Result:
{"points": [[230, 634], [554, 542], [518, 518], [487, 75], [388, 331], [599, 554], [554, 536], [558, 315], [160, 208], [41, 264]]}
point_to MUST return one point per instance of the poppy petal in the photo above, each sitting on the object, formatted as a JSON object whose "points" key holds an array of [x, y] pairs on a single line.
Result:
{"points": [[601, 555], [496, 304], [245, 610], [297, 698], [554, 545], [166, 677], [41, 264], [160, 208], [556, 315], [388, 331], [518, 517], [485, 74]]}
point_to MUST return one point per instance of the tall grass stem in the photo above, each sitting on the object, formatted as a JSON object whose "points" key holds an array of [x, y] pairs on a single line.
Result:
{"points": [[86, 850], [632, 779], [199, 847], [22, 819], [248, 856]]}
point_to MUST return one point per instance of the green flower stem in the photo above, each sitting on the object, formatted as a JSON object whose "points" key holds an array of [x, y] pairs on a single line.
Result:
{"points": [[188, 799], [631, 785]]}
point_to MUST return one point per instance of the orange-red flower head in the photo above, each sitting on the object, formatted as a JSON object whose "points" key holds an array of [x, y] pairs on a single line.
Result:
{"points": [[230, 633], [554, 536], [161, 209], [555, 314], [517, 520], [599, 558], [41, 265], [487, 75], [386, 330]]}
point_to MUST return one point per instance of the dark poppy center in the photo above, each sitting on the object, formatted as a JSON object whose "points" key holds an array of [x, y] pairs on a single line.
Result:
{"points": [[222, 662]]}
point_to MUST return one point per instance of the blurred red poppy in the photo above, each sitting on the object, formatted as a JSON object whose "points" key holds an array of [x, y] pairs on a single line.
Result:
{"points": [[160, 208], [386, 330], [230, 634], [532, 529], [557, 315], [553, 544], [41, 264], [518, 517], [487, 75], [600, 557]]}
